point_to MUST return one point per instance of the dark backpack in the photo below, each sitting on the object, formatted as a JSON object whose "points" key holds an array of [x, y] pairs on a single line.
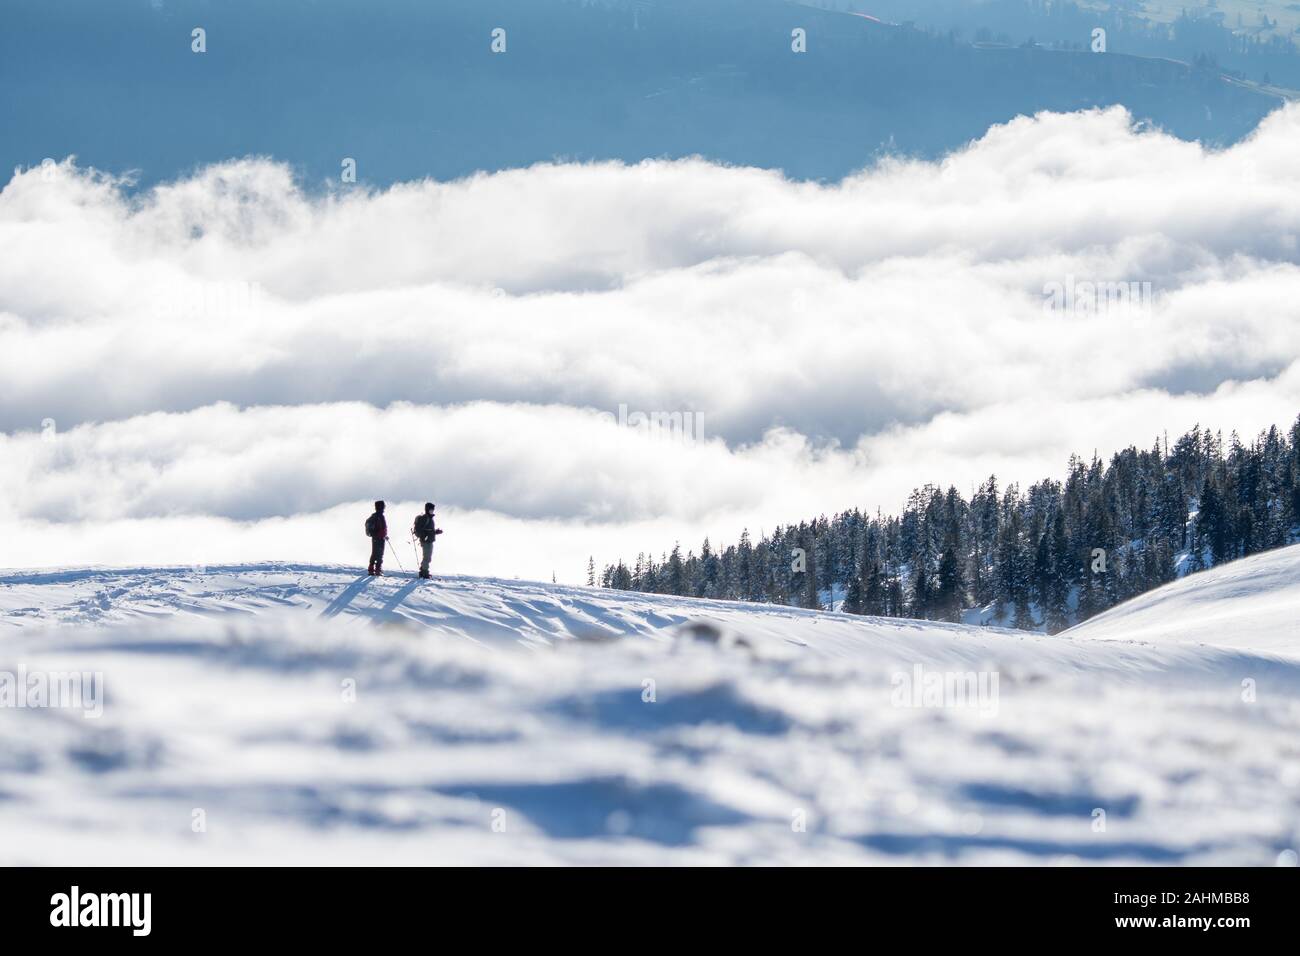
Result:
{"points": [[423, 526], [370, 527]]}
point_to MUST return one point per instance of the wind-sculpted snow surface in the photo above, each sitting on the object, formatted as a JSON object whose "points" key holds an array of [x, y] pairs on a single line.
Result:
{"points": [[279, 714], [1253, 603]]}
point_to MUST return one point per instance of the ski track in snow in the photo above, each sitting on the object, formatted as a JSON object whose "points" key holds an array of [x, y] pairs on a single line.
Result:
{"points": [[483, 702]]}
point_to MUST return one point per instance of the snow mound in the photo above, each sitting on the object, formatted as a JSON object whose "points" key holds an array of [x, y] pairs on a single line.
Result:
{"points": [[286, 714], [485, 611], [1252, 604]]}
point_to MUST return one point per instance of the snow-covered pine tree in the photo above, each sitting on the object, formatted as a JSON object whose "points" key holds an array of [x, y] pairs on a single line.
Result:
{"points": [[1110, 531]]}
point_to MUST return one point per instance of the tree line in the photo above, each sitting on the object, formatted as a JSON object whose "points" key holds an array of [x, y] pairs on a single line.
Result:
{"points": [[1040, 559]]}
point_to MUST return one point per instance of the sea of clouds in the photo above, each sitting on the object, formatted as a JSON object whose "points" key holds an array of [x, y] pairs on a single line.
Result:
{"points": [[231, 366]]}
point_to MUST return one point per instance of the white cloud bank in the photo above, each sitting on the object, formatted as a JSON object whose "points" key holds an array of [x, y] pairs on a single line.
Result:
{"points": [[228, 368]]}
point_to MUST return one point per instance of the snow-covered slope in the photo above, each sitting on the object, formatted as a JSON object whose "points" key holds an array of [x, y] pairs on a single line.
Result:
{"points": [[1251, 604], [306, 714]]}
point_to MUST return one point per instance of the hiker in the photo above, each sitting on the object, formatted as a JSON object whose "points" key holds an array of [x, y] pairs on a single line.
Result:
{"points": [[425, 532], [377, 532]]}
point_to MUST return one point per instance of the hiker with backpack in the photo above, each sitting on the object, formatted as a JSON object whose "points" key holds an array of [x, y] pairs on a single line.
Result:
{"points": [[377, 532], [426, 532]]}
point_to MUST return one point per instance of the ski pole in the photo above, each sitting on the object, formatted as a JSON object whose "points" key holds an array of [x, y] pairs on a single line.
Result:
{"points": [[387, 542]]}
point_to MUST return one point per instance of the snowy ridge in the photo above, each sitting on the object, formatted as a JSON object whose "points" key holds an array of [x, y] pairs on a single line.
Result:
{"points": [[502, 721], [1253, 603]]}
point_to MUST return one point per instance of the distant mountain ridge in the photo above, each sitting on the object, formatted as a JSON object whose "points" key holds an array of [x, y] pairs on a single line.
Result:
{"points": [[422, 93]]}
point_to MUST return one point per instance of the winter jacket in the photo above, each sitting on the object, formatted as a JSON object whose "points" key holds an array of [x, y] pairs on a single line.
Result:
{"points": [[424, 528]]}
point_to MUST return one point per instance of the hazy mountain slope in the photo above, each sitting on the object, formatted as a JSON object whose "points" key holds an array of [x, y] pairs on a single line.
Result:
{"points": [[624, 81]]}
